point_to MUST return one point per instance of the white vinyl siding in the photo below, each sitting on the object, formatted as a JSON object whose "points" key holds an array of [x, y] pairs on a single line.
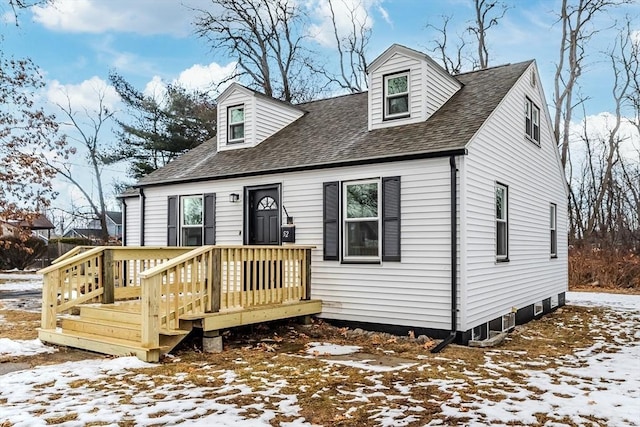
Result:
{"points": [[440, 87], [235, 98], [429, 86], [414, 292], [132, 221], [272, 116], [396, 64], [262, 117], [534, 176]]}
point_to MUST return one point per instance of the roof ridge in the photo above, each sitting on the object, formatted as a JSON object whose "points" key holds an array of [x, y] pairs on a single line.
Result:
{"points": [[508, 64], [332, 97]]}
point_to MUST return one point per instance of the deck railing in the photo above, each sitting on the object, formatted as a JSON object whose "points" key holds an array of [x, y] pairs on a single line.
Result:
{"points": [[175, 281], [221, 278], [96, 274]]}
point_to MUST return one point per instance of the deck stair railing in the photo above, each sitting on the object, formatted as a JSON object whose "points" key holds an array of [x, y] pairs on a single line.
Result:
{"points": [[101, 274], [166, 285]]}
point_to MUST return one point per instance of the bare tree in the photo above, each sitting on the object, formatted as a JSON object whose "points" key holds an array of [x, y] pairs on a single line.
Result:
{"points": [[605, 196], [575, 19], [351, 49], [18, 5], [88, 126], [484, 21], [266, 38], [452, 62], [488, 14]]}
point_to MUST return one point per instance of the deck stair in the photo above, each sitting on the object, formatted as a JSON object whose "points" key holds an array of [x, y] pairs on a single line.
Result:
{"points": [[114, 329], [143, 301]]}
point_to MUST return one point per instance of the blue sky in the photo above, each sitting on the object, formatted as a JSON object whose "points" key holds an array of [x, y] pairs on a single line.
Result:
{"points": [[77, 42]]}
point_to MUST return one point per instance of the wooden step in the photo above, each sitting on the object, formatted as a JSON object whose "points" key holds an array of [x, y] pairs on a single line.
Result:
{"points": [[101, 344], [110, 312], [102, 327]]}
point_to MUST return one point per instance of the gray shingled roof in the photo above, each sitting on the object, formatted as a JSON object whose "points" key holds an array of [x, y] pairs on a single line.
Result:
{"points": [[334, 131]]}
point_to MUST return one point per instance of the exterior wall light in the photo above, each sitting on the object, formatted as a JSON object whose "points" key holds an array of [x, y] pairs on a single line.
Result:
{"points": [[234, 197]]}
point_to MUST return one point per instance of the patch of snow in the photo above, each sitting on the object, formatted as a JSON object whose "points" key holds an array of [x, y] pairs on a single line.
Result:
{"points": [[10, 347], [21, 285], [17, 275], [599, 299], [366, 366], [327, 349]]}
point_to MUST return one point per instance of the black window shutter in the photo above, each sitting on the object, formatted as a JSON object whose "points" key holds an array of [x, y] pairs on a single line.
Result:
{"points": [[331, 217], [391, 218], [172, 221], [210, 219]]}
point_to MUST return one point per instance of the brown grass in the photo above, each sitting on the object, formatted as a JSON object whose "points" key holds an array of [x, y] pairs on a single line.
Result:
{"points": [[263, 354], [19, 325]]}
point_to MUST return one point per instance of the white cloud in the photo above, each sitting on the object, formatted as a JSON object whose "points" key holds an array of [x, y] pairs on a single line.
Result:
{"points": [[84, 95], [204, 78], [347, 12], [98, 16]]}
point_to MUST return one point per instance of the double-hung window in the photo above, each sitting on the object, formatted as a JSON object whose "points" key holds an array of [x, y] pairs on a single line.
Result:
{"points": [[362, 226], [191, 220], [502, 225], [235, 117], [553, 222], [396, 96], [532, 120]]}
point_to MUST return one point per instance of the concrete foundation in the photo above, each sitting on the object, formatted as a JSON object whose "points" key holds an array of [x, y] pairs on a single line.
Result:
{"points": [[212, 343]]}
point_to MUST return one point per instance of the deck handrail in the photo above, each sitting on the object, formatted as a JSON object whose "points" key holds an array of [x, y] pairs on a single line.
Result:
{"points": [[72, 252], [175, 261], [71, 260]]}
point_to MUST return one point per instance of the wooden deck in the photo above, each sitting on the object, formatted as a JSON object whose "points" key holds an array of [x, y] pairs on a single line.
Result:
{"points": [[145, 300]]}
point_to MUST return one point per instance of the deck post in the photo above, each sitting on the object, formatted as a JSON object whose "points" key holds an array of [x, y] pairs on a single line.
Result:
{"points": [[216, 279], [108, 277], [50, 284], [307, 260], [150, 299]]}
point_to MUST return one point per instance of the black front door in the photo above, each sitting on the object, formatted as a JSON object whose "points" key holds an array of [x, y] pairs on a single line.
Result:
{"points": [[264, 216]]}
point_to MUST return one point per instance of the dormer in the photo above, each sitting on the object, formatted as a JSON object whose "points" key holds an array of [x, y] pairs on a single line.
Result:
{"points": [[246, 117], [406, 86]]}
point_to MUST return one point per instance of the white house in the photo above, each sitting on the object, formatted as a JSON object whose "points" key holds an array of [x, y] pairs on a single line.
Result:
{"points": [[435, 203]]}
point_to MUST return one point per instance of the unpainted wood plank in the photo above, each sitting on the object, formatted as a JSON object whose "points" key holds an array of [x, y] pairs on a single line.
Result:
{"points": [[260, 314]]}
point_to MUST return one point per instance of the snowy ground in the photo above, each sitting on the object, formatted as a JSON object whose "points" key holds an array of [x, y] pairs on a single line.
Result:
{"points": [[596, 385]]}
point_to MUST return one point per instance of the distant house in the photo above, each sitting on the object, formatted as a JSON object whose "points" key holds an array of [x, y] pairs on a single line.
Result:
{"points": [[93, 231], [114, 224], [93, 234], [435, 203], [39, 226]]}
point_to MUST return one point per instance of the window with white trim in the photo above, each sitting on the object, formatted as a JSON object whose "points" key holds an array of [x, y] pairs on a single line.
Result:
{"points": [[532, 120], [191, 220], [502, 225], [235, 117], [553, 221], [396, 95], [362, 225]]}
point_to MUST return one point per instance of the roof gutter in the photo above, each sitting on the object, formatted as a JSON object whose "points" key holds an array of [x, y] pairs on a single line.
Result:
{"points": [[454, 259], [142, 204], [317, 166]]}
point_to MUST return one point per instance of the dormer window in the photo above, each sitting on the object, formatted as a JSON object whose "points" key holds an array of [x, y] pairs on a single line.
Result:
{"points": [[236, 124], [396, 95]]}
